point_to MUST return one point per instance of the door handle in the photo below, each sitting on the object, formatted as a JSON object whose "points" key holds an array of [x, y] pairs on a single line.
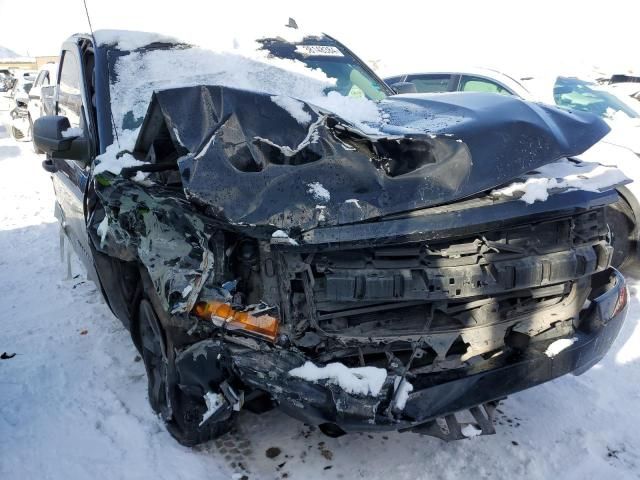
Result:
{"points": [[49, 166]]}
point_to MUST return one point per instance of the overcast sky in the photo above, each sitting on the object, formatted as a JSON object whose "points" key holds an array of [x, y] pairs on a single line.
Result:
{"points": [[396, 35]]}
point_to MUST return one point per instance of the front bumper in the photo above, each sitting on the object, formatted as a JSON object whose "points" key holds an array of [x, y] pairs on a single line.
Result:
{"points": [[438, 394], [435, 395]]}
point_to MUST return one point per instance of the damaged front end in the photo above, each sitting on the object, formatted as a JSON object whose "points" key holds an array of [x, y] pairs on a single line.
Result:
{"points": [[362, 281]]}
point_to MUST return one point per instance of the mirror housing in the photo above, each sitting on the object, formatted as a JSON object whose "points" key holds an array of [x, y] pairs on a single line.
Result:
{"points": [[48, 137], [404, 87]]}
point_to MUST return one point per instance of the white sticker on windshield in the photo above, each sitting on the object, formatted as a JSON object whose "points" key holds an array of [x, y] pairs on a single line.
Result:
{"points": [[319, 50]]}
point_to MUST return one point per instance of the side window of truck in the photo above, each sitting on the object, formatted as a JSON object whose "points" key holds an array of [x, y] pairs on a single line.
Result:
{"points": [[435, 83], [479, 84], [70, 94]]}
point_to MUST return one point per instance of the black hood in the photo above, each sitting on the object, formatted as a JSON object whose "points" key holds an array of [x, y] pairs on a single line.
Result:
{"points": [[252, 162]]}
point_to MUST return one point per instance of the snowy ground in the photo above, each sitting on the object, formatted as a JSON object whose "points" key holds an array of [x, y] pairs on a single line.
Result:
{"points": [[73, 399]]}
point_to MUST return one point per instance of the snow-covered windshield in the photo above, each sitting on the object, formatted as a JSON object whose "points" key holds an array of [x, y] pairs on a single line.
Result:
{"points": [[318, 74], [576, 94], [352, 78]]}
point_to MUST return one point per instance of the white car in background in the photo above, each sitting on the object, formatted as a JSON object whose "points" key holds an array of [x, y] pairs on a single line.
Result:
{"points": [[627, 89], [620, 147], [41, 94]]}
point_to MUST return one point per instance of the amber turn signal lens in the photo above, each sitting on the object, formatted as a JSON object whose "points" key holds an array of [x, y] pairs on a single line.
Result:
{"points": [[264, 325]]}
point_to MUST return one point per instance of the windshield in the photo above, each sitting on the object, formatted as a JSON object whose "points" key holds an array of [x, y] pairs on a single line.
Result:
{"points": [[352, 78], [576, 94], [135, 75]]}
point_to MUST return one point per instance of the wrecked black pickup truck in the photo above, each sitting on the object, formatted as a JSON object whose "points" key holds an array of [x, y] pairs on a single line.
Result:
{"points": [[278, 229]]}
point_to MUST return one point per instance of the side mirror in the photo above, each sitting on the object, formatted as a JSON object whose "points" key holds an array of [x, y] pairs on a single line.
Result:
{"points": [[404, 87], [53, 135]]}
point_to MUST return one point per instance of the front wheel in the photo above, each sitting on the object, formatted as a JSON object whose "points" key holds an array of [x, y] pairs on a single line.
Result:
{"points": [[183, 412]]}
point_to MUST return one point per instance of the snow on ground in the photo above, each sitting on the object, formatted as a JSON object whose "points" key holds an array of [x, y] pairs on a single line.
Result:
{"points": [[73, 399]]}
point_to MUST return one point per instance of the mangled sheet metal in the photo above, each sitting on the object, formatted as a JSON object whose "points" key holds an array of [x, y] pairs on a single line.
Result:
{"points": [[228, 167], [252, 162], [158, 228]]}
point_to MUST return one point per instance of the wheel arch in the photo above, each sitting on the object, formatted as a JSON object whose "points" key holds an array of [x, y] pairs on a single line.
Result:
{"points": [[634, 204]]}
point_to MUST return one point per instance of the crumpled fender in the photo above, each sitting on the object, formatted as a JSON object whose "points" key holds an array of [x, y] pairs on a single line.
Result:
{"points": [[253, 163]]}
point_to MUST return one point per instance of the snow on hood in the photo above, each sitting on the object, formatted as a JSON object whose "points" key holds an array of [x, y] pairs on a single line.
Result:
{"points": [[399, 154], [565, 175], [464, 145]]}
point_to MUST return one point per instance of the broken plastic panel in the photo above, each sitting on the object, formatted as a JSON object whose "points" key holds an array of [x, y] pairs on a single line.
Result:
{"points": [[255, 320]]}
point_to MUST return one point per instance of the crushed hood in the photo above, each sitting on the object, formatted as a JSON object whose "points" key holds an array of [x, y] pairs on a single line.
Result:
{"points": [[295, 166]]}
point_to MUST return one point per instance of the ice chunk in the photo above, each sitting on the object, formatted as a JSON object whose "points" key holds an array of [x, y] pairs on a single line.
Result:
{"points": [[319, 192], [471, 431], [358, 380], [559, 345]]}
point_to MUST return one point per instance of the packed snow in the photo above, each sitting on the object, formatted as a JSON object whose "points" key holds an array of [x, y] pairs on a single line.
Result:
{"points": [[358, 380], [130, 40], [280, 236], [73, 400], [563, 175], [558, 346], [113, 161], [471, 431], [103, 229], [402, 389]]}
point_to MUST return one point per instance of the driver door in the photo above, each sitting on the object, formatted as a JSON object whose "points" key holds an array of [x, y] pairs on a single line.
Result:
{"points": [[70, 176]]}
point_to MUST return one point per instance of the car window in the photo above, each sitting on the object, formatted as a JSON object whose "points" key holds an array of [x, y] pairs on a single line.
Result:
{"points": [[39, 80], [352, 79], [430, 83], [392, 80], [470, 83], [576, 94], [69, 96]]}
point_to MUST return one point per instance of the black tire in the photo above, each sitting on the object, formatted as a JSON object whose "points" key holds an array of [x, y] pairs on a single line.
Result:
{"points": [[182, 412], [622, 224]]}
